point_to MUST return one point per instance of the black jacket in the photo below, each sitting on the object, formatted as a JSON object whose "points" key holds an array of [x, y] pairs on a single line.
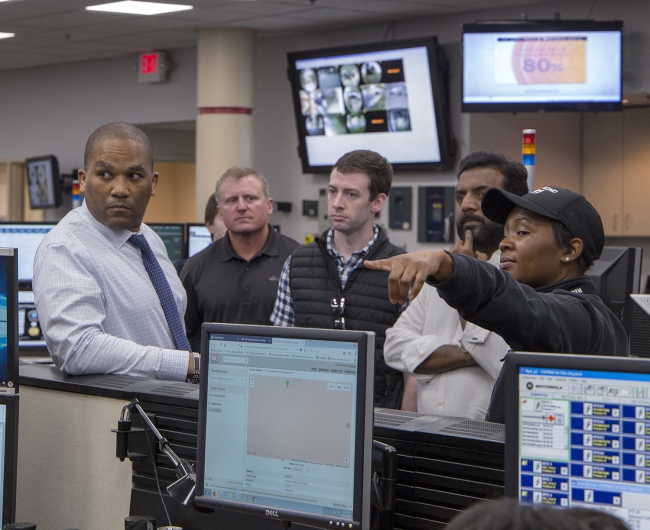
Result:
{"points": [[565, 317], [314, 280]]}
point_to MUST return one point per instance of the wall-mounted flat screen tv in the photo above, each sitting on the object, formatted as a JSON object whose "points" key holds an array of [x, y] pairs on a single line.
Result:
{"points": [[44, 182], [388, 97], [530, 66]]}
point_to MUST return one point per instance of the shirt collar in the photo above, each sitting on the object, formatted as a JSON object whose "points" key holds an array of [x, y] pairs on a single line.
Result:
{"points": [[363, 252], [270, 248], [117, 237]]}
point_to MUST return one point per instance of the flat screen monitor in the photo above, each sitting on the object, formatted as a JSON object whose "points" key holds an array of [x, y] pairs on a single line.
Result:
{"points": [[198, 238], [535, 65], [26, 237], [285, 423], [578, 432], [44, 182], [173, 235], [617, 275], [8, 321], [388, 97], [8, 456]]}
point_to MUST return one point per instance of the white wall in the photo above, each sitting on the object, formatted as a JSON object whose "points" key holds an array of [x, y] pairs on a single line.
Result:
{"points": [[53, 109]]}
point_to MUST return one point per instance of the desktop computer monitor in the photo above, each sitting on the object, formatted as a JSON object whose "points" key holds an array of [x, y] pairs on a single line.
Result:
{"points": [[8, 321], [285, 423], [8, 456], [172, 235], [578, 432], [198, 238], [617, 275], [26, 237]]}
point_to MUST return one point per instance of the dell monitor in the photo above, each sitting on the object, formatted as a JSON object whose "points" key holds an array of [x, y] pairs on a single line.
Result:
{"points": [[389, 97], [542, 65], [285, 423], [198, 238], [617, 275], [44, 182], [172, 235], [26, 237], [578, 433], [8, 321]]}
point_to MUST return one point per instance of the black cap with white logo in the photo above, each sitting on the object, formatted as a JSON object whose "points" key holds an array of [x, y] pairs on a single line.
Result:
{"points": [[568, 207]]}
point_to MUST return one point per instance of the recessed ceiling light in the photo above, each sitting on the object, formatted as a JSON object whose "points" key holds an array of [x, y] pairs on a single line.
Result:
{"points": [[133, 7], [6, 35]]}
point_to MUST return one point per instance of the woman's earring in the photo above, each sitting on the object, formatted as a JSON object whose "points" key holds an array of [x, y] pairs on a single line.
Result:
{"points": [[567, 259]]}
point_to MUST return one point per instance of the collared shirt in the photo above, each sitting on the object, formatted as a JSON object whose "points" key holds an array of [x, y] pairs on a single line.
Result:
{"points": [[223, 287], [283, 310], [98, 308], [426, 325]]}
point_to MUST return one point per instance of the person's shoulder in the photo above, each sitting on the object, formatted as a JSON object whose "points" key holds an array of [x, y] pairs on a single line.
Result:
{"points": [[69, 229]]}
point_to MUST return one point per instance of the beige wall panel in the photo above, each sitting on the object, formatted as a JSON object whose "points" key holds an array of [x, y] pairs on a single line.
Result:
{"points": [[558, 143], [602, 167], [636, 171], [174, 201]]}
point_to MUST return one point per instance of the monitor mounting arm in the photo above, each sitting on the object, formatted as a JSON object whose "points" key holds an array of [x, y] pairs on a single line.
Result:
{"points": [[183, 489]]}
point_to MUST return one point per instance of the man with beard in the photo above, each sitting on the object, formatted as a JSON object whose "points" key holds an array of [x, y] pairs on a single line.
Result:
{"points": [[456, 362]]}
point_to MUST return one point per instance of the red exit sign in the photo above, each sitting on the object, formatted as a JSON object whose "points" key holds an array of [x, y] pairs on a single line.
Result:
{"points": [[153, 67], [149, 63]]}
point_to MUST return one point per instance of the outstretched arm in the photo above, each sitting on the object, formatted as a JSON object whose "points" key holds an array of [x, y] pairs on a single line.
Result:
{"points": [[408, 272]]}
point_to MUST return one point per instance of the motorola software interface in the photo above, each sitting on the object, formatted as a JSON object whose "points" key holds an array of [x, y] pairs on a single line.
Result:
{"points": [[583, 439]]}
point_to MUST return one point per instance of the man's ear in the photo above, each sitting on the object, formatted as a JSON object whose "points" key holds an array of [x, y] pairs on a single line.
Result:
{"points": [[81, 174], [154, 181], [378, 202]]}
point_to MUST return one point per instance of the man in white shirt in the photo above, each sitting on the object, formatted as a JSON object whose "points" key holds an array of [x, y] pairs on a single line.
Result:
{"points": [[455, 362], [108, 297]]}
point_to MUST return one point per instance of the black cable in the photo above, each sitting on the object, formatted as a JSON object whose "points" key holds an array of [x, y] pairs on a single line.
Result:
{"points": [[155, 471]]}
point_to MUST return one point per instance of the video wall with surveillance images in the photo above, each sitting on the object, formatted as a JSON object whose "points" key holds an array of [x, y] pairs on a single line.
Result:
{"points": [[380, 100], [355, 98]]}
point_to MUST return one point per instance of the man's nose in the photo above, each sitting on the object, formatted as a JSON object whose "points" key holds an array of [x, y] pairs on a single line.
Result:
{"points": [[120, 187], [336, 200], [470, 203]]}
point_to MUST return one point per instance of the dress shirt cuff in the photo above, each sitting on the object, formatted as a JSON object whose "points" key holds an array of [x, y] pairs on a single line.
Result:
{"points": [[173, 365]]}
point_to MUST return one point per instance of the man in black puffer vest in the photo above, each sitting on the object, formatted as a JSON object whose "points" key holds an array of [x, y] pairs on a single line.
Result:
{"points": [[325, 284]]}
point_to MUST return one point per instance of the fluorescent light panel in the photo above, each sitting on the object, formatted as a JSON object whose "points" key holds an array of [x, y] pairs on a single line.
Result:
{"points": [[6, 35], [133, 7]]}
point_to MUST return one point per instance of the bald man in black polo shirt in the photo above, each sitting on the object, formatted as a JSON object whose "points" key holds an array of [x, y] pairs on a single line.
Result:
{"points": [[236, 278]]}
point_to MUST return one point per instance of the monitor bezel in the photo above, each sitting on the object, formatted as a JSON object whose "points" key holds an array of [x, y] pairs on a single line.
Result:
{"points": [[10, 386], [515, 360], [11, 458], [56, 182], [438, 90], [541, 26], [183, 231], [363, 449], [187, 237]]}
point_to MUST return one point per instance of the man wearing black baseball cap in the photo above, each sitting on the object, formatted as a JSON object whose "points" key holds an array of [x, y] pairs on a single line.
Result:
{"points": [[539, 299]]}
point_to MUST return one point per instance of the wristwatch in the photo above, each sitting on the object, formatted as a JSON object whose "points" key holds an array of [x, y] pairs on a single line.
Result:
{"points": [[197, 368]]}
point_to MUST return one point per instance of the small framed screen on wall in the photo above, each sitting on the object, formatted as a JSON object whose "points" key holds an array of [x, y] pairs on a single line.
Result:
{"points": [[436, 214]]}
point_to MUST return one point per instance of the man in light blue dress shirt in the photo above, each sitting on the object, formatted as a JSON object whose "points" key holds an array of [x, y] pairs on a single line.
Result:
{"points": [[99, 310]]}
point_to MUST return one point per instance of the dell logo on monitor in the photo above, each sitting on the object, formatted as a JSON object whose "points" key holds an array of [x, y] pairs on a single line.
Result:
{"points": [[272, 513]]}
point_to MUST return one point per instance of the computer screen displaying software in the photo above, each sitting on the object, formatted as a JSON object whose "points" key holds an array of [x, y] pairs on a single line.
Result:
{"points": [[281, 422], [583, 438], [26, 238]]}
